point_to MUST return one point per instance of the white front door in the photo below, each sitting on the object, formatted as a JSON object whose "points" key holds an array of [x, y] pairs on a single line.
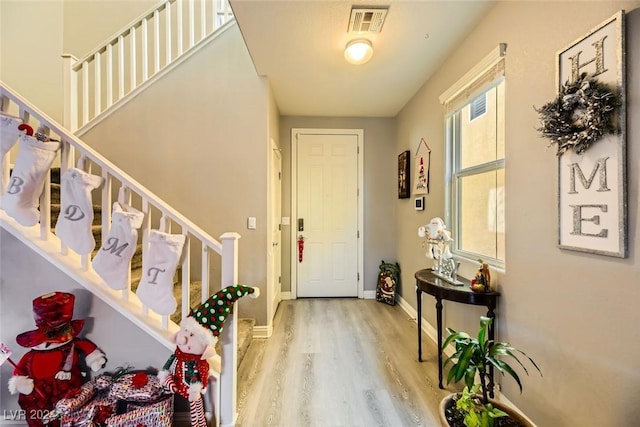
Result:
{"points": [[327, 215]]}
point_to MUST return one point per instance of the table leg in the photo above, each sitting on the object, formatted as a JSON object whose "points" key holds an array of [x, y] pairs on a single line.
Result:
{"points": [[439, 317], [419, 303], [492, 315]]}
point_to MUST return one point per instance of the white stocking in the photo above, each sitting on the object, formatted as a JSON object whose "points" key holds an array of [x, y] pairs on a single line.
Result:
{"points": [[76, 210], [112, 261], [9, 133], [34, 159], [159, 263]]}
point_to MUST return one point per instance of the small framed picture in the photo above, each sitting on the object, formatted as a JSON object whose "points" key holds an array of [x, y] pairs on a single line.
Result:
{"points": [[403, 175], [419, 203]]}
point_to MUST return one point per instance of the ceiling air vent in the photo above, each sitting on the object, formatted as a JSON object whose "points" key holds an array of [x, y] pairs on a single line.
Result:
{"points": [[367, 20]]}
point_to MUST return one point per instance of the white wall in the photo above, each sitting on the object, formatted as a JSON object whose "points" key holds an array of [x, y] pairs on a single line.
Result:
{"points": [[25, 276], [96, 20], [574, 313], [30, 49]]}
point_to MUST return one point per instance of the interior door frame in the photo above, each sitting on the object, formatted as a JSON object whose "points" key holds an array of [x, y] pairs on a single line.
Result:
{"points": [[274, 220], [359, 133]]}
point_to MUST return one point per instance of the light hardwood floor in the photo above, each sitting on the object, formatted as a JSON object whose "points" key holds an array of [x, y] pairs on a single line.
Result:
{"points": [[339, 362]]}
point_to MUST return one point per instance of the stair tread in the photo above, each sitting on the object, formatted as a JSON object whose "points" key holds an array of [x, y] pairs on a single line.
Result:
{"points": [[96, 208]]}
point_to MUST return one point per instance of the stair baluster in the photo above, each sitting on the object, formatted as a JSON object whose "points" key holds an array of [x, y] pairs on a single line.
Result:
{"points": [[94, 86]]}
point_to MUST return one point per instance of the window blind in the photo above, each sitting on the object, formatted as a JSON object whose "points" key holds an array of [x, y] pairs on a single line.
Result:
{"points": [[488, 70]]}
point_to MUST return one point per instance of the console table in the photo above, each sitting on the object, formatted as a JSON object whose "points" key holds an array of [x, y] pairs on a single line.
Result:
{"points": [[427, 282]]}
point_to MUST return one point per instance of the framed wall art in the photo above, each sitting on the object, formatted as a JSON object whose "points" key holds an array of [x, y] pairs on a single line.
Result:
{"points": [[592, 195], [422, 165], [404, 187]]}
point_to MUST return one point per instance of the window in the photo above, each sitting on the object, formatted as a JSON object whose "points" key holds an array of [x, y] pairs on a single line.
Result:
{"points": [[478, 107], [476, 165]]}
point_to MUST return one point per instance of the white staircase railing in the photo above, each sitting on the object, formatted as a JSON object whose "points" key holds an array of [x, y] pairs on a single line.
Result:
{"points": [[130, 57], [212, 254]]}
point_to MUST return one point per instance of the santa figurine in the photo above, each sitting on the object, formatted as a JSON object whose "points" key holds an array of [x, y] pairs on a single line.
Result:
{"points": [[186, 372], [50, 369]]}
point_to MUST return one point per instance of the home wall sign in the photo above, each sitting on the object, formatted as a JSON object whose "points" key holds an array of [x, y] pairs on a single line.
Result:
{"points": [[592, 182]]}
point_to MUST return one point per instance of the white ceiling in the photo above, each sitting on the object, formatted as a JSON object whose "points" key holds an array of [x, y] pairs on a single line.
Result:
{"points": [[299, 44]]}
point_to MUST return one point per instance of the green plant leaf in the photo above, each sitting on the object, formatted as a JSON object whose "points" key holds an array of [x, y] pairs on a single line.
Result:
{"points": [[472, 357], [482, 333], [504, 367], [497, 413], [453, 335], [470, 376], [463, 363]]}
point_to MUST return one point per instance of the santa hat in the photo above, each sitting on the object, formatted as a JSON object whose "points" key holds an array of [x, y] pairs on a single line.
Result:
{"points": [[208, 319], [52, 313]]}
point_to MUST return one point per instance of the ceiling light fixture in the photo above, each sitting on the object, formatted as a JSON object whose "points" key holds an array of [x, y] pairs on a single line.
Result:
{"points": [[358, 51]]}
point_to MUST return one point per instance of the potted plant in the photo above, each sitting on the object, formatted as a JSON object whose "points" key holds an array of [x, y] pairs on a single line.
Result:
{"points": [[475, 356]]}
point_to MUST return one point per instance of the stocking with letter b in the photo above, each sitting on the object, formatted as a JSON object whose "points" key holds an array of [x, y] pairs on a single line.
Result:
{"points": [[22, 197]]}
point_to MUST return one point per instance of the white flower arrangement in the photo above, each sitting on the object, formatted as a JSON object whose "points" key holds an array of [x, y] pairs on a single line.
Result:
{"points": [[438, 240]]}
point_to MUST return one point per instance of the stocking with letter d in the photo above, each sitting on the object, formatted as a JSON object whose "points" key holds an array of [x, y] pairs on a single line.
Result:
{"points": [[76, 211]]}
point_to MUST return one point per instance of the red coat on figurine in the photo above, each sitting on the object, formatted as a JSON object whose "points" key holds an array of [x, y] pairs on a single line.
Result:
{"points": [[47, 372]]}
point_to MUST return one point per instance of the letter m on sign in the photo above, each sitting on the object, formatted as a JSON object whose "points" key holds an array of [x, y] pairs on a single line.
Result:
{"points": [[601, 167]]}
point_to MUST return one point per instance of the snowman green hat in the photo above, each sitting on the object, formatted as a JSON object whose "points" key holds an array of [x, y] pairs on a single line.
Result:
{"points": [[207, 320]]}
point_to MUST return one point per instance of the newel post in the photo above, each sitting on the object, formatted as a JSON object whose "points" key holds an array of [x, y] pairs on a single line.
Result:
{"points": [[229, 336], [70, 87]]}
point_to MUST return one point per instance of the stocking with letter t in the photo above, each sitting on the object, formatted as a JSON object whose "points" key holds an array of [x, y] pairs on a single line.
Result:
{"points": [[159, 264]]}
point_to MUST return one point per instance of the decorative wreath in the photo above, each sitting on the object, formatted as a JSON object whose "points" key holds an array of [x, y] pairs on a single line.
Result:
{"points": [[581, 114]]}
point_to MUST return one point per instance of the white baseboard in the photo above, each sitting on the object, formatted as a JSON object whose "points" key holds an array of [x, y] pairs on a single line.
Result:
{"points": [[367, 295], [262, 331], [427, 328]]}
